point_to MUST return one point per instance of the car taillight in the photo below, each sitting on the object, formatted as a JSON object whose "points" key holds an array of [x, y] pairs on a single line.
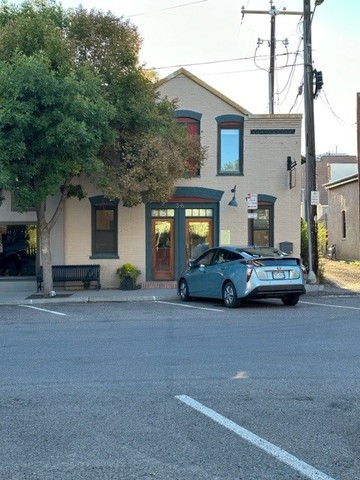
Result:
{"points": [[249, 272], [303, 268], [250, 267]]}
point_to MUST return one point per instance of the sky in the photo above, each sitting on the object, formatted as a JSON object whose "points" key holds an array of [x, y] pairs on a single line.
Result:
{"points": [[217, 43]]}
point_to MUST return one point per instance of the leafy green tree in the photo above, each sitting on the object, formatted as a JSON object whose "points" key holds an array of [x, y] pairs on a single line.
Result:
{"points": [[151, 150], [52, 126], [69, 79]]}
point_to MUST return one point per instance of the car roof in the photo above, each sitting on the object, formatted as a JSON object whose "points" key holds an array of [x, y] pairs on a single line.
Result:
{"points": [[255, 251]]}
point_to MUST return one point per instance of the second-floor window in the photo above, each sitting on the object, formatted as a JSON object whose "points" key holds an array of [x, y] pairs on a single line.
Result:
{"points": [[230, 145], [192, 126]]}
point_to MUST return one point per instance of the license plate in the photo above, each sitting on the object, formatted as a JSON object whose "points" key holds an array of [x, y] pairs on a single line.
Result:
{"points": [[278, 275]]}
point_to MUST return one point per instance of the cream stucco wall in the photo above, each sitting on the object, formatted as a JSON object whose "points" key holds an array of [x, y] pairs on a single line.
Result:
{"points": [[265, 161], [131, 237]]}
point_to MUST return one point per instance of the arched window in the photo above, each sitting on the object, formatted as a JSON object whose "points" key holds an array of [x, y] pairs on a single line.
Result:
{"points": [[230, 144], [191, 122]]}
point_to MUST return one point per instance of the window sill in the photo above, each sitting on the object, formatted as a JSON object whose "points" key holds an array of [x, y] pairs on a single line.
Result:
{"points": [[104, 256], [230, 174]]}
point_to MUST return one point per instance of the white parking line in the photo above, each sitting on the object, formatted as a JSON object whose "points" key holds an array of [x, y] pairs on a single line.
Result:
{"points": [[330, 305], [189, 306], [278, 453], [43, 310]]}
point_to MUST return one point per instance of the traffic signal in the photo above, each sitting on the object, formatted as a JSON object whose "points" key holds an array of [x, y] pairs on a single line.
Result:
{"points": [[318, 77]]}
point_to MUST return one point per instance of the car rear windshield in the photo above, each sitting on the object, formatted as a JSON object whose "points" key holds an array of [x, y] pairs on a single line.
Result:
{"points": [[279, 262], [263, 252]]}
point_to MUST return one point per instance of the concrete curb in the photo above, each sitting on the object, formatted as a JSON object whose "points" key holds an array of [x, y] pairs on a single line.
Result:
{"points": [[142, 295]]}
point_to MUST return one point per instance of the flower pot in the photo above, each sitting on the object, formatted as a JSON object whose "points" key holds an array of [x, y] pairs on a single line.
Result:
{"points": [[127, 284]]}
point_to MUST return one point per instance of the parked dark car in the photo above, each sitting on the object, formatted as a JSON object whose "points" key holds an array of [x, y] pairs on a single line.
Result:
{"points": [[235, 274]]}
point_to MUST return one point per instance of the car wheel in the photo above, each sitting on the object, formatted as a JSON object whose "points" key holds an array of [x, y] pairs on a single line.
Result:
{"points": [[184, 291], [290, 300], [230, 296]]}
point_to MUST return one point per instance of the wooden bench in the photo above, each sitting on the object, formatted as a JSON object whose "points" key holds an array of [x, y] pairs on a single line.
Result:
{"points": [[72, 273]]}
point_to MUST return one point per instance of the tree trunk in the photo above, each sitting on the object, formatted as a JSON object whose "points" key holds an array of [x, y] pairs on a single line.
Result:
{"points": [[44, 229], [44, 237]]}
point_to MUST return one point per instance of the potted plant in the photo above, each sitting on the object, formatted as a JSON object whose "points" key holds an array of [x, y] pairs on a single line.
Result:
{"points": [[128, 276]]}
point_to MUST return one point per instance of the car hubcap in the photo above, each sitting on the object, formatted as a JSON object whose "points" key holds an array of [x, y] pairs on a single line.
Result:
{"points": [[228, 295]]}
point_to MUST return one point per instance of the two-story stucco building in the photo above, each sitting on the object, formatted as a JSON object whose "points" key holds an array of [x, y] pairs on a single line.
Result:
{"points": [[247, 165]]}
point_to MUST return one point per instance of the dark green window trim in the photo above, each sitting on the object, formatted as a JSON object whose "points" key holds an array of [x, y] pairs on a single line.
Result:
{"points": [[230, 143], [99, 235], [265, 202], [188, 113]]}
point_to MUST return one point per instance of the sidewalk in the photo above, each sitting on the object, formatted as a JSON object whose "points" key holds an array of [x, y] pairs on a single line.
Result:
{"points": [[88, 296], [28, 296]]}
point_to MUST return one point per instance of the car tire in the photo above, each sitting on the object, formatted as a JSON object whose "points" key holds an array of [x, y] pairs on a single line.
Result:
{"points": [[290, 300], [184, 290], [230, 296]]}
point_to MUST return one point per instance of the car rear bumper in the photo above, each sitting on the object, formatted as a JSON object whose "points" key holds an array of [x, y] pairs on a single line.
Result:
{"points": [[276, 291]]}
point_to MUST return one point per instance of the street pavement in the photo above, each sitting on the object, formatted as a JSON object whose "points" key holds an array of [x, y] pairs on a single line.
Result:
{"points": [[29, 296]]}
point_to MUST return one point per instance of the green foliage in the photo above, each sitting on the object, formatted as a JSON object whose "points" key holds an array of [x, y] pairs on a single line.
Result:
{"points": [[151, 151], [321, 240], [128, 270], [52, 126], [304, 244], [98, 54], [33, 27]]}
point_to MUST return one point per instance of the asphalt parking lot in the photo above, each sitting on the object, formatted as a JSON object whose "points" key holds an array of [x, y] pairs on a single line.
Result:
{"points": [[162, 389]]}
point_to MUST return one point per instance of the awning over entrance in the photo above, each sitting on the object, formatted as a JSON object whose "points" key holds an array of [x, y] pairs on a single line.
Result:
{"points": [[196, 194]]}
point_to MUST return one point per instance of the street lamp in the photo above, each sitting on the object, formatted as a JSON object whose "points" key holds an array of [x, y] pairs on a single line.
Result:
{"points": [[233, 202]]}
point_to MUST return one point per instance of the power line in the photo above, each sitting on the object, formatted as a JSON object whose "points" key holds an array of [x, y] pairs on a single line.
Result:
{"points": [[291, 76], [167, 8], [327, 103], [273, 12], [212, 62]]}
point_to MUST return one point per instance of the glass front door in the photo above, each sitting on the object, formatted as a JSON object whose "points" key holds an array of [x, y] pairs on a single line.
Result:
{"points": [[177, 232], [199, 237], [163, 249]]}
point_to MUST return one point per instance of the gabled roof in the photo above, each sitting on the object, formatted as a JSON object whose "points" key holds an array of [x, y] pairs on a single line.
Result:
{"points": [[213, 91]]}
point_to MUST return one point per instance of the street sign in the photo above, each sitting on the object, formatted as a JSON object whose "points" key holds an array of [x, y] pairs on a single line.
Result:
{"points": [[315, 197], [252, 201]]}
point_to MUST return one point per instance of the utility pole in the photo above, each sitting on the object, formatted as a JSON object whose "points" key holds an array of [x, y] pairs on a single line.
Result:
{"points": [[358, 154], [273, 12], [311, 210], [272, 60]]}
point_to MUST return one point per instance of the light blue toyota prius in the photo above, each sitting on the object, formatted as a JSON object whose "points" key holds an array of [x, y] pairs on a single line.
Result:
{"points": [[235, 274]]}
